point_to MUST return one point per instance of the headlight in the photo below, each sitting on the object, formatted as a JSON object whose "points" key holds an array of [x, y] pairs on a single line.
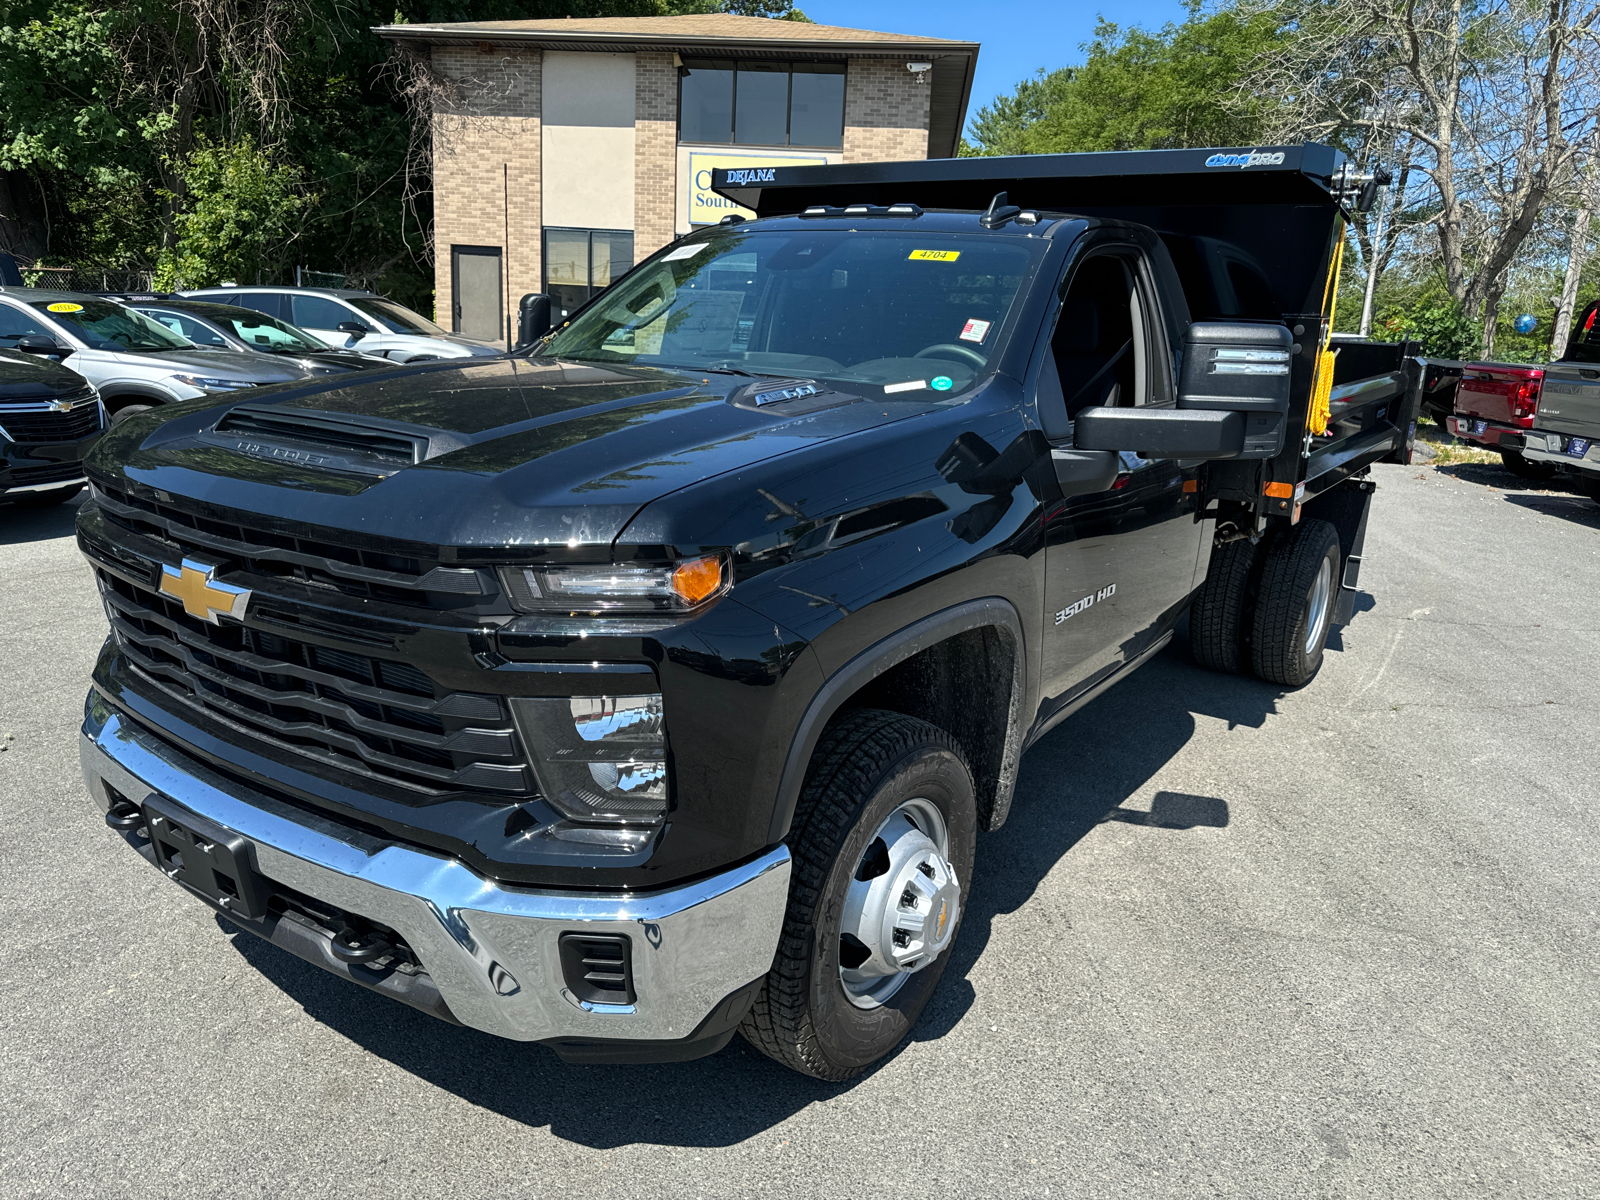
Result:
{"points": [[599, 758], [617, 589], [208, 384]]}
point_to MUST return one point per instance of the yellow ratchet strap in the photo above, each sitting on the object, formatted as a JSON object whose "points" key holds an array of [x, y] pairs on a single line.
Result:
{"points": [[1322, 380]]}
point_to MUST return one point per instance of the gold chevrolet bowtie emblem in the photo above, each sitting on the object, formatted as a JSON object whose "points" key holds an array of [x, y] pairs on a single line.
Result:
{"points": [[61, 405], [944, 915], [202, 595]]}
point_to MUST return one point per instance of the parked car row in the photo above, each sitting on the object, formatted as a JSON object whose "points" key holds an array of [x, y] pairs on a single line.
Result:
{"points": [[71, 361], [1543, 421]]}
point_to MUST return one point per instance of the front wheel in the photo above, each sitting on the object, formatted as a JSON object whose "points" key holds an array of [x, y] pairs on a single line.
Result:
{"points": [[1294, 604], [883, 844]]}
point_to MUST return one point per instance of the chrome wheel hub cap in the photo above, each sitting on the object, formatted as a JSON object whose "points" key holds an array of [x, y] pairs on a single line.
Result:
{"points": [[1317, 606], [902, 907]]}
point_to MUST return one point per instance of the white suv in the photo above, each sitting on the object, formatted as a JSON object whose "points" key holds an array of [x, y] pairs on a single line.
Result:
{"points": [[354, 320]]}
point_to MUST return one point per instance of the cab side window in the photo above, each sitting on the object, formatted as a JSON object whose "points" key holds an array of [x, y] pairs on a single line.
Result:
{"points": [[1099, 350]]}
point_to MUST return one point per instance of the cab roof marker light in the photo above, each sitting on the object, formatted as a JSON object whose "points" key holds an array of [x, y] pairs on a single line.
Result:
{"points": [[901, 210]]}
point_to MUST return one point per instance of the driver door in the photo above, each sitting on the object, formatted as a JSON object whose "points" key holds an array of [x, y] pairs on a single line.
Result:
{"points": [[1119, 563]]}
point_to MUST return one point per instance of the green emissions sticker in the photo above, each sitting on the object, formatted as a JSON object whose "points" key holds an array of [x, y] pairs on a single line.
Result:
{"points": [[941, 383]]}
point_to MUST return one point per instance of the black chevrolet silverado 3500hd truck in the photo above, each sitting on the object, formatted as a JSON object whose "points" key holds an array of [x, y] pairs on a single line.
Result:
{"points": [[655, 681]]}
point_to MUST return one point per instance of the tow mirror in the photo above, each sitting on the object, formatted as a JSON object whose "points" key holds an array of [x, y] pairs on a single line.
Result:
{"points": [[354, 328], [533, 319], [38, 343], [1160, 432], [1243, 367]]}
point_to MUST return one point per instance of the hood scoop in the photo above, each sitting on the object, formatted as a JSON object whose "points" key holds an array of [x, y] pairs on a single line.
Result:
{"points": [[331, 441], [790, 397]]}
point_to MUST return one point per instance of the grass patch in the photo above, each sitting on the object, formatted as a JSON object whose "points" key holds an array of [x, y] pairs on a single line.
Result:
{"points": [[1448, 451]]}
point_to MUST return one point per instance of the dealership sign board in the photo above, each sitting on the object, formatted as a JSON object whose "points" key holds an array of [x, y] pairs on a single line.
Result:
{"points": [[705, 206]]}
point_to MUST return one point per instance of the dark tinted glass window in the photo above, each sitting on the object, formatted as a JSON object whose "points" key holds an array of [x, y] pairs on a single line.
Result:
{"points": [[1584, 344], [579, 263], [816, 105], [761, 104], [270, 303], [318, 312], [103, 325], [705, 102], [15, 324]]}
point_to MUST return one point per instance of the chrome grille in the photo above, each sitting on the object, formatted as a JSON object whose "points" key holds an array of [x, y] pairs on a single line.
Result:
{"points": [[36, 421], [374, 574], [369, 715]]}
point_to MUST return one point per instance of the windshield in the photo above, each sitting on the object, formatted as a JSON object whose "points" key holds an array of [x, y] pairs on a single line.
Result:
{"points": [[396, 318], [269, 333], [102, 325], [906, 311]]}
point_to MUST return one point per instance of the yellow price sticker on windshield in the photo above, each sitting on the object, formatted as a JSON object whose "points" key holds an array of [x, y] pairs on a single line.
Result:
{"points": [[935, 255], [63, 306]]}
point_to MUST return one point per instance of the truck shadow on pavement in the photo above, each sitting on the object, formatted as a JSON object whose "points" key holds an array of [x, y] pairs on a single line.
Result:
{"points": [[20, 524], [1080, 775]]}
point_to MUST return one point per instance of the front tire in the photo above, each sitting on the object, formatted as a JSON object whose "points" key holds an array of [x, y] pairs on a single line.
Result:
{"points": [[1294, 604], [883, 842]]}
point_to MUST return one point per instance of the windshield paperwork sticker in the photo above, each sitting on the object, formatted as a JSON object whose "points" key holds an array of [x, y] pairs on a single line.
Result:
{"points": [[975, 331], [941, 383], [685, 252], [63, 306], [935, 255], [915, 385]]}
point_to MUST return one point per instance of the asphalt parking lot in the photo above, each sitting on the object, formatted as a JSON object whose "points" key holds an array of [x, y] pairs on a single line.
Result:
{"points": [[1336, 942]]}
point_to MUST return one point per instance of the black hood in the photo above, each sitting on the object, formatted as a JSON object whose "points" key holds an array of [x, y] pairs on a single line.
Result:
{"points": [[25, 377], [509, 453]]}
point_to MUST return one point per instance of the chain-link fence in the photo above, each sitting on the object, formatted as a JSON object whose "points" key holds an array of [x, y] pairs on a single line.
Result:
{"points": [[87, 279]]}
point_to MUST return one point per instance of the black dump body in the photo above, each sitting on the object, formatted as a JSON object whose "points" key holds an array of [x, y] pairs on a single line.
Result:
{"points": [[1254, 235]]}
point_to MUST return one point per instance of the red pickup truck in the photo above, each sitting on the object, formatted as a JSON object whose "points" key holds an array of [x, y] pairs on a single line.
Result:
{"points": [[1495, 406]]}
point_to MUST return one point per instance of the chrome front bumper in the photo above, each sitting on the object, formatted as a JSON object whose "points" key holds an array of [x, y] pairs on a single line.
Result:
{"points": [[491, 950]]}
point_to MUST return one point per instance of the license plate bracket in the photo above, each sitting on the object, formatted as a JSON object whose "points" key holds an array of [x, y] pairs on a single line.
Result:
{"points": [[213, 862]]}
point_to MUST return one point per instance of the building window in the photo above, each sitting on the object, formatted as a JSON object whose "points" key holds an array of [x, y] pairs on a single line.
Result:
{"points": [[579, 263], [761, 104]]}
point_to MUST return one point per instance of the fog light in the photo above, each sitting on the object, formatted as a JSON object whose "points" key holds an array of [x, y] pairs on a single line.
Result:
{"points": [[598, 758]]}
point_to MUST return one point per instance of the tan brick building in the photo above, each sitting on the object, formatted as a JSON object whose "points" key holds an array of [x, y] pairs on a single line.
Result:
{"points": [[566, 150]]}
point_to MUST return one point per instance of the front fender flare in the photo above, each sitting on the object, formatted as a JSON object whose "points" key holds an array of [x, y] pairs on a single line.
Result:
{"points": [[990, 611]]}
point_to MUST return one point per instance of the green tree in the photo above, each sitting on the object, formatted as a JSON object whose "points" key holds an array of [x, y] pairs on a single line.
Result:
{"points": [[242, 217], [1137, 90]]}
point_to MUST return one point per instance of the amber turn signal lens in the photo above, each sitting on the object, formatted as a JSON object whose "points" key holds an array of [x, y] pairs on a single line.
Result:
{"points": [[698, 579]]}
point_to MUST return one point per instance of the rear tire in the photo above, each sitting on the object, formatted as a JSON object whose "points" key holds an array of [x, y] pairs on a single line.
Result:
{"points": [[1525, 468], [1294, 604], [820, 1010], [46, 499], [1217, 613]]}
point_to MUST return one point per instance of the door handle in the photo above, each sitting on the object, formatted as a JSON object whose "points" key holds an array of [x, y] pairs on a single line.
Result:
{"points": [[1082, 471]]}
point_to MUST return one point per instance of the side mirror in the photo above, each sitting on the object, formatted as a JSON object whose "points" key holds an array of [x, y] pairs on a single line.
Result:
{"points": [[534, 318], [1243, 367], [354, 328], [38, 343], [1160, 432]]}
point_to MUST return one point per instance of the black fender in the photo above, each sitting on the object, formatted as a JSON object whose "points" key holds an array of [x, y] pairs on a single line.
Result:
{"points": [[989, 611]]}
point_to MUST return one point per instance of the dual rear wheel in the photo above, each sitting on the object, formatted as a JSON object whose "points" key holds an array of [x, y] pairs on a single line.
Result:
{"points": [[1268, 607]]}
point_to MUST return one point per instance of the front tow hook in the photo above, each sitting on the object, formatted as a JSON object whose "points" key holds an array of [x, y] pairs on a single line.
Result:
{"points": [[359, 948], [124, 816]]}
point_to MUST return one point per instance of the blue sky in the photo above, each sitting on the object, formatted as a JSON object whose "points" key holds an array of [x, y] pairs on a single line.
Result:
{"points": [[1017, 38]]}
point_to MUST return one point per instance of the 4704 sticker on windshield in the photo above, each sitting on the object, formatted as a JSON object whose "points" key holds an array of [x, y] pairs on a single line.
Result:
{"points": [[1078, 606], [934, 255]]}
